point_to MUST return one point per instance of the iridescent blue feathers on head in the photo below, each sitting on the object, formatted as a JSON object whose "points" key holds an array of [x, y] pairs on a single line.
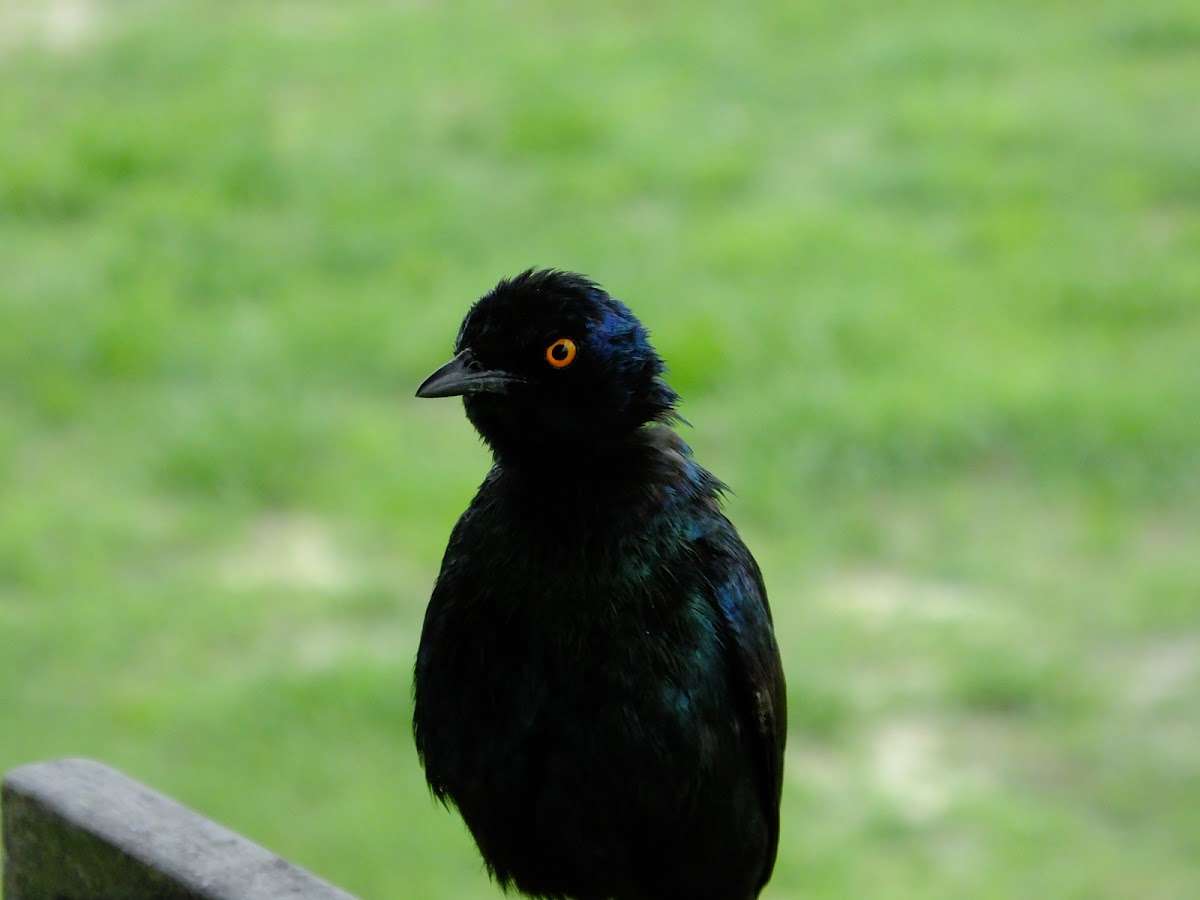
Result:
{"points": [[524, 403]]}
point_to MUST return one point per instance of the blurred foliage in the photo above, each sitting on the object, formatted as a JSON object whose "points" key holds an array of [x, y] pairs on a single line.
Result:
{"points": [[927, 275]]}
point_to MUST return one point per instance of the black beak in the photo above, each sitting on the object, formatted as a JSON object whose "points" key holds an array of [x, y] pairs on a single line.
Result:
{"points": [[462, 375]]}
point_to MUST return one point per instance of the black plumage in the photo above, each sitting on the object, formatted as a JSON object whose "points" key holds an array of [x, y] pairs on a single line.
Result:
{"points": [[598, 687]]}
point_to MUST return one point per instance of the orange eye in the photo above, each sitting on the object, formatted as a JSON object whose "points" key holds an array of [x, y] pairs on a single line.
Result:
{"points": [[561, 353]]}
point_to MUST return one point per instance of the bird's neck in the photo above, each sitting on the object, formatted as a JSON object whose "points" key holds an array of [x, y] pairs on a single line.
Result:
{"points": [[587, 467], [586, 517], [648, 470]]}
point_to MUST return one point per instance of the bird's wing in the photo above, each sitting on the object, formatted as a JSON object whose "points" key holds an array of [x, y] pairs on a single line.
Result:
{"points": [[740, 598]]}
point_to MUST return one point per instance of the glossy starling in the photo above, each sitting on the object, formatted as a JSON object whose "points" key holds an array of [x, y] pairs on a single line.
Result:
{"points": [[598, 687]]}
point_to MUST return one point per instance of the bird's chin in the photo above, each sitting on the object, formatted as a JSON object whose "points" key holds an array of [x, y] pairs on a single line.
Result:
{"points": [[489, 407], [493, 416]]}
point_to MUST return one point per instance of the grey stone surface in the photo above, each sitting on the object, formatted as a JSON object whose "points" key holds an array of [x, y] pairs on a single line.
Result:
{"points": [[75, 829]]}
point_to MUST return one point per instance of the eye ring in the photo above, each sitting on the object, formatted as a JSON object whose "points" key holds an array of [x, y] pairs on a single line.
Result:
{"points": [[561, 353]]}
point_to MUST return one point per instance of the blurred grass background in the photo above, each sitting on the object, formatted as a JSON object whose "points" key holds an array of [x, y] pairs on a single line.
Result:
{"points": [[927, 275]]}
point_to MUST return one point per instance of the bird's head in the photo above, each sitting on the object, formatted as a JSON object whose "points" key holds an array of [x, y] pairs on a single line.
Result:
{"points": [[549, 365]]}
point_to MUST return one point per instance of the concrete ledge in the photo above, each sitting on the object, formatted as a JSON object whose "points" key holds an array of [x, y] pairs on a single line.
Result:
{"points": [[75, 829]]}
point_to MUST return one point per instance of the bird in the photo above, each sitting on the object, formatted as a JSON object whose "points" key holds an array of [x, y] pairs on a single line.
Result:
{"points": [[598, 687]]}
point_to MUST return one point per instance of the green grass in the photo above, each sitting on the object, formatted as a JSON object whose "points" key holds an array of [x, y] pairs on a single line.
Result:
{"points": [[927, 275]]}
